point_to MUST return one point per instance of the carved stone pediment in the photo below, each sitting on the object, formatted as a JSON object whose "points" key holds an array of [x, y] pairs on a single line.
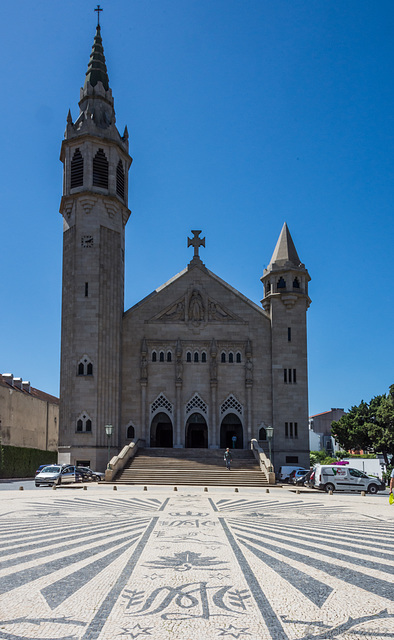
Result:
{"points": [[219, 313], [175, 312], [196, 308]]}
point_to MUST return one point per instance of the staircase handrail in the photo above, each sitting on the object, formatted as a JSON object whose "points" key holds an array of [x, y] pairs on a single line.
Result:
{"points": [[117, 463], [265, 463]]}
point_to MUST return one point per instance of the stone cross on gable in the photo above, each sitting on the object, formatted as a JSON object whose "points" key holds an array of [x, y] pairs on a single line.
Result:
{"points": [[196, 242]]}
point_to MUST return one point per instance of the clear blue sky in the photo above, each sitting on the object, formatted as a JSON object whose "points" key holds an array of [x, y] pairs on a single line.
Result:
{"points": [[242, 114]]}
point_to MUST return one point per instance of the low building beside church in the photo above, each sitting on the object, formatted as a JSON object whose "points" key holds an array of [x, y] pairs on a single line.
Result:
{"points": [[28, 417], [194, 364]]}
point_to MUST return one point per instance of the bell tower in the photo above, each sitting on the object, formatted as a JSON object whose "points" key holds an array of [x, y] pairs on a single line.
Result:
{"points": [[286, 301], [94, 209]]}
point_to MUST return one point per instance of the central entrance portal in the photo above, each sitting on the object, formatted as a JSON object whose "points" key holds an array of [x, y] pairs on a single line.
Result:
{"points": [[196, 432], [161, 431], [231, 432]]}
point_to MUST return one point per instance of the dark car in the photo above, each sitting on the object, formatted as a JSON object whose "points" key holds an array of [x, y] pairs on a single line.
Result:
{"points": [[297, 473], [86, 474], [41, 467]]}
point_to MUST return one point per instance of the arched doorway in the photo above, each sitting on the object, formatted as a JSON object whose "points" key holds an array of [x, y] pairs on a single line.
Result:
{"points": [[161, 431], [231, 426], [196, 432]]}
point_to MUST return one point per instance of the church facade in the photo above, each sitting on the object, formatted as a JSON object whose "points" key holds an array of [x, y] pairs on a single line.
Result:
{"points": [[196, 363]]}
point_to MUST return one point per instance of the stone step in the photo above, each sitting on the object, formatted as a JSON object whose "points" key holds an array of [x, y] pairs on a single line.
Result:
{"points": [[192, 467], [230, 479]]}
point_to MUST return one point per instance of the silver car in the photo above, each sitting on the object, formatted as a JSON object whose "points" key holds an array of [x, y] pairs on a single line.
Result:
{"points": [[55, 474]]}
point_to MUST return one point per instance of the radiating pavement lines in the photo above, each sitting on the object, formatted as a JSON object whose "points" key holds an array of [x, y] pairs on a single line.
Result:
{"points": [[363, 562]]}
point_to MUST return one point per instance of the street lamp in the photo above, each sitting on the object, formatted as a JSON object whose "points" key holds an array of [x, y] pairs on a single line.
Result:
{"points": [[270, 432], [109, 431]]}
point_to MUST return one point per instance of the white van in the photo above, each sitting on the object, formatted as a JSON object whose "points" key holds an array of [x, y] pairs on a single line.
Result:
{"points": [[332, 477], [284, 472]]}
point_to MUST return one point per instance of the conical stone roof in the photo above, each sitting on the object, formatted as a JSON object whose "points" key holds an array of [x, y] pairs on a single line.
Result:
{"points": [[285, 251]]}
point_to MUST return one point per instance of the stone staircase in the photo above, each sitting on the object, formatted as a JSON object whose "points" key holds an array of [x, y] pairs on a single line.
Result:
{"points": [[192, 467]]}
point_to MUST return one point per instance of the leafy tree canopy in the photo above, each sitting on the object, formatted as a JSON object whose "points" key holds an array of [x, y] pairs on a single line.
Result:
{"points": [[368, 426]]}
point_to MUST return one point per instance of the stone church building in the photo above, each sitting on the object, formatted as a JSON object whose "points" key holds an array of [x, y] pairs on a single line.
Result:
{"points": [[195, 363]]}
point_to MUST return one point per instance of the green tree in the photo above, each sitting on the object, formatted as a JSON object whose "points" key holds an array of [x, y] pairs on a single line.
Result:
{"points": [[368, 426]]}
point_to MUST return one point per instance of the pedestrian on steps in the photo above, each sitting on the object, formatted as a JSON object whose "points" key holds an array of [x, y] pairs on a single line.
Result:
{"points": [[227, 458]]}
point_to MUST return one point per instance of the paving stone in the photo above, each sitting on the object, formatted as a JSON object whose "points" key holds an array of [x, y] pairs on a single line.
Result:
{"points": [[194, 565]]}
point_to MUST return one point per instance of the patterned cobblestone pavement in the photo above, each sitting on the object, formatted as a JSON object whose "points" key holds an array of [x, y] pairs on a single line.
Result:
{"points": [[195, 565]]}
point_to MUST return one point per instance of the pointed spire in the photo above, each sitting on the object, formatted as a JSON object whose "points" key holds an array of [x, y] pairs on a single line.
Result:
{"points": [[97, 69], [69, 117], [285, 251]]}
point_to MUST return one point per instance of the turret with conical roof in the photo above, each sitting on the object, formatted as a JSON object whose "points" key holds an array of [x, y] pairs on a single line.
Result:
{"points": [[286, 301], [286, 276]]}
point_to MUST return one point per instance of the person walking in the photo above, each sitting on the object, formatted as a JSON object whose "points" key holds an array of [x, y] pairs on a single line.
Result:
{"points": [[392, 481], [227, 458]]}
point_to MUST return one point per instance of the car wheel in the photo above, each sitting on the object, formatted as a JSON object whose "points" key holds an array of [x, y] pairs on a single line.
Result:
{"points": [[373, 488], [37, 484], [329, 487], [96, 478]]}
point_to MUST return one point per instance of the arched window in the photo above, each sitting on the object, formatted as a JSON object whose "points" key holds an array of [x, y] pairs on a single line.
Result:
{"points": [[84, 423], [85, 366], [203, 357], [154, 356], [188, 357], [238, 357], [231, 357], [76, 170], [196, 356], [161, 356], [296, 283], [281, 283], [130, 432], [169, 356], [223, 357], [100, 170], [120, 180]]}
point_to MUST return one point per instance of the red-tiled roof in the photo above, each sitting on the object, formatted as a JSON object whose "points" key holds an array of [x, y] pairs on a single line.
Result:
{"points": [[36, 393]]}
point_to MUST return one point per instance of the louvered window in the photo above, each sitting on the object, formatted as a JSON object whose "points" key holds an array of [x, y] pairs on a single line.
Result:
{"points": [[77, 170], [100, 170], [120, 180]]}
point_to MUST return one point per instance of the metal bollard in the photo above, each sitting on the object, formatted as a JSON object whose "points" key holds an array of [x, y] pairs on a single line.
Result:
{"points": [[205, 488], [145, 488], [267, 490], [236, 490], [85, 487], [115, 488], [175, 488], [20, 488]]}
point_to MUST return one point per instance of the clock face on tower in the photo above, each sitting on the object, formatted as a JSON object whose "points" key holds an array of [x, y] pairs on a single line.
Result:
{"points": [[86, 241]]}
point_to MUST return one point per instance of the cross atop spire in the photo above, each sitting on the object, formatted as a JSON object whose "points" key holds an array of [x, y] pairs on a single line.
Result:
{"points": [[98, 9], [196, 243]]}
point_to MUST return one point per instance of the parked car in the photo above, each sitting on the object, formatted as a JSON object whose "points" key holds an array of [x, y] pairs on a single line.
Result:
{"points": [[86, 474], [338, 478], [285, 471], [305, 480], [296, 474], [55, 474]]}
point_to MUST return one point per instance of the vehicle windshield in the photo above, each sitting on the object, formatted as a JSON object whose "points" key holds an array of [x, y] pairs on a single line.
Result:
{"points": [[50, 470]]}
